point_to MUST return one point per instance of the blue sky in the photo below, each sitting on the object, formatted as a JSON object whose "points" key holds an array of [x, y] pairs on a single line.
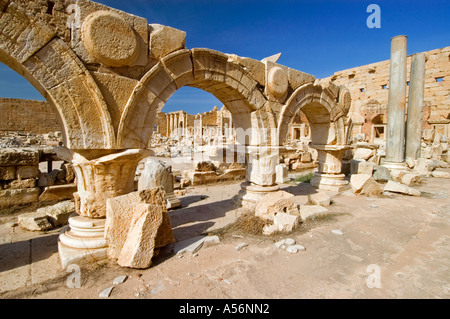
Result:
{"points": [[317, 37]]}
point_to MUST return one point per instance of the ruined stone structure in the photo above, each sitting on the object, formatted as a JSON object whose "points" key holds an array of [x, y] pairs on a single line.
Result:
{"points": [[27, 116], [214, 123], [369, 87], [108, 74]]}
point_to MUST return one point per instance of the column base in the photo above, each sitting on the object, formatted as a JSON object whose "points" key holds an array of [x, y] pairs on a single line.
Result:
{"points": [[250, 194], [399, 166], [82, 241], [331, 182]]}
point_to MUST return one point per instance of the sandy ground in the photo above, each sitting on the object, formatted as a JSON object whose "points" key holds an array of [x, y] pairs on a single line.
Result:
{"points": [[389, 247]]}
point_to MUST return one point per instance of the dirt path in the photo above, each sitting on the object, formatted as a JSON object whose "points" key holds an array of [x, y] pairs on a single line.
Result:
{"points": [[390, 247]]}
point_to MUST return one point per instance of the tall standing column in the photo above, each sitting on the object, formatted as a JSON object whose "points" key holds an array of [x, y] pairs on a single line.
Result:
{"points": [[415, 106], [167, 127], [171, 124], [395, 139]]}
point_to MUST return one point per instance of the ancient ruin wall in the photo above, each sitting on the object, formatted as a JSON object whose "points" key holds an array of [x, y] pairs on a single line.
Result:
{"points": [[369, 84], [27, 116]]}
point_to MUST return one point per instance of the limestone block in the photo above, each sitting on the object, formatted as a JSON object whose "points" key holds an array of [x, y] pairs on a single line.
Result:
{"points": [[139, 245], [204, 167], [311, 211], [179, 65], [277, 81], [440, 174], [120, 211], [165, 40], [397, 175], [306, 157], [58, 214], [22, 183], [156, 173], [29, 36], [58, 192], [428, 135], [320, 198], [410, 179], [23, 172], [363, 153], [98, 39], [361, 167], [381, 174], [395, 187], [426, 152], [255, 67], [199, 178], [436, 151], [365, 184], [34, 221], [18, 157], [424, 165], [357, 182], [281, 173], [232, 174], [275, 202], [282, 222], [16, 197], [7, 173], [298, 78]]}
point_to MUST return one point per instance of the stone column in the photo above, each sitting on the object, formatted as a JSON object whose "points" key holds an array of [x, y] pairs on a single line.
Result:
{"points": [[171, 124], [261, 174], [329, 176], [415, 106], [167, 127], [395, 137], [100, 174]]}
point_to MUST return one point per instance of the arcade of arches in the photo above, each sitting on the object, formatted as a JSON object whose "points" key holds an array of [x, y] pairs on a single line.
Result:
{"points": [[108, 100]]}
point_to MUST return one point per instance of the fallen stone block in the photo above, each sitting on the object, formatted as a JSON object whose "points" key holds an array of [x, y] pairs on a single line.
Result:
{"points": [[320, 198], [276, 202], [282, 222], [232, 174], [58, 193], [395, 187], [361, 167], [357, 182], [36, 221], [190, 245], [58, 214], [440, 174], [200, 178], [119, 214], [138, 248], [410, 179], [363, 153], [310, 211], [381, 174]]}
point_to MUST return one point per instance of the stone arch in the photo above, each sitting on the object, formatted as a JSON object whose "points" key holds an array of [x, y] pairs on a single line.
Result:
{"points": [[33, 50], [320, 108], [206, 69]]}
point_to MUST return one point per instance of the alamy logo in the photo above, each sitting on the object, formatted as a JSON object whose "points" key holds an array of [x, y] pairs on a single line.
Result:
{"points": [[374, 279], [373, 20]]}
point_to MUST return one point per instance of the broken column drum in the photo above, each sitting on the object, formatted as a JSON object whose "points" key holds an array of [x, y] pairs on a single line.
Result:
{"points": [[155, 174]]}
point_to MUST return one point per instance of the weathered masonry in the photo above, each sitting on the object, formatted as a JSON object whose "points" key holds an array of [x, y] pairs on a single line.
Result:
{"points": [[108, 74], [369, 87]]}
